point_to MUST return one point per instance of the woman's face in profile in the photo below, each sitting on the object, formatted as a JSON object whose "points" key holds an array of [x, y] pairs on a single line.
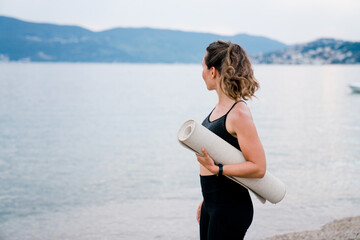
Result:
{"points": [[207, 76]]}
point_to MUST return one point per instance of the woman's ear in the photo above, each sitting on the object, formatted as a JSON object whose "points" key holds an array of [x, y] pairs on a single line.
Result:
{"points": [[213, 72]]}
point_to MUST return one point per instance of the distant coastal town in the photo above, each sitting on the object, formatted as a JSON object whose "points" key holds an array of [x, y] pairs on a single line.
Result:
{"points": [[322, 51]]}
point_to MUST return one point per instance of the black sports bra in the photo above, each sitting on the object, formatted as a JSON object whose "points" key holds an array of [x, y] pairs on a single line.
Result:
{"points": [[218, 127]]}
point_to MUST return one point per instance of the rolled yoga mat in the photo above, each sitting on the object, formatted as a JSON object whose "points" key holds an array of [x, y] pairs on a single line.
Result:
{"points": [[195, 136]]}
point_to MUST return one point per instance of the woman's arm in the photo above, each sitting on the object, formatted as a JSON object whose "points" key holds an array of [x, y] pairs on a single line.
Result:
{"points": [[240, 124]]}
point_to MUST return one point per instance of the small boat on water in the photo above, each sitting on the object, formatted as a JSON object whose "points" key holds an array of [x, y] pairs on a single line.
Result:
{"points": [[355, 87]]}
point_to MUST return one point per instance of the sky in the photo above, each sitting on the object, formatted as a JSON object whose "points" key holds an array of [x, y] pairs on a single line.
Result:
{"points": [[288, 21]]}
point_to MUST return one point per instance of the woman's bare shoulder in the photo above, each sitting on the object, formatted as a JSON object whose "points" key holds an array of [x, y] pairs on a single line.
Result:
{"points": [[241, 111], [239, 118]]}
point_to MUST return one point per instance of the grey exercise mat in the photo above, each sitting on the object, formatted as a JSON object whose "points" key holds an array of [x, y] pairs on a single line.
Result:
{"points": [[195, 136]]}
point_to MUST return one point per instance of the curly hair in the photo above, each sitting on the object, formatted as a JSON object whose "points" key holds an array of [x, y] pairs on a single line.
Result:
{"points": [[237, 79]]}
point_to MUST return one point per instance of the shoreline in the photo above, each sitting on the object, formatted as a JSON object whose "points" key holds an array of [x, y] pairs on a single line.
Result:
{"points": [[345, 228]]}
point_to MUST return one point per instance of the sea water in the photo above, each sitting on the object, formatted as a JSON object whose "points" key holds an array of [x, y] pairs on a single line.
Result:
{"points": [[89, 151]]}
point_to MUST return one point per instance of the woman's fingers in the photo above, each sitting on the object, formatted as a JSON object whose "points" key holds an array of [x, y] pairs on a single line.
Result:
{"points": [[198, 213], [206, 155], [206, 160], [198, 216], [199, 157]]}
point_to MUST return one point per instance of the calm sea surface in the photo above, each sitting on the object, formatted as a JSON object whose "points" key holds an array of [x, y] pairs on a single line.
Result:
{"points": [[89, 151]]}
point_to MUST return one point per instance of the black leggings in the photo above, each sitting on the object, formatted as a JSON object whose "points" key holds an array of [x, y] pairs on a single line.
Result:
{"points": [[227, 210]]}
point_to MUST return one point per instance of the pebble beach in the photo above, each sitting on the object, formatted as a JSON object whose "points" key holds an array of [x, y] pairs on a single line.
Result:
{"points": [[342, 229]]}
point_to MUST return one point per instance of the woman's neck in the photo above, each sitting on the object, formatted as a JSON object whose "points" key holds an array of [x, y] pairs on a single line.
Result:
{"points": [[224, 100]]}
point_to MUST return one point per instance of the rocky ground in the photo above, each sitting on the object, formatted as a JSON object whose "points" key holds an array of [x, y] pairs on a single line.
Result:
{"points": [[344, 229]]}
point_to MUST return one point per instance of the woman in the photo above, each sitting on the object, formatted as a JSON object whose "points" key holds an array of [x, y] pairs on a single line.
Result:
{"points": [[227, 211]]}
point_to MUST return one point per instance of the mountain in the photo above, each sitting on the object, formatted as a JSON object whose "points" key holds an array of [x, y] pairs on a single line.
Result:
{"points": [[20, 40], [321, 51]]}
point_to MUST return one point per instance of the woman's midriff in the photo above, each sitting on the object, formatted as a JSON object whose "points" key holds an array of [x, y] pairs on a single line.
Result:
{"points": [[204, 171]]}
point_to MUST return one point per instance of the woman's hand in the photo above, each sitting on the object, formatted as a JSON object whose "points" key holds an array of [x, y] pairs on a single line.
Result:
{"points": [[207, 161], [198, 212]]}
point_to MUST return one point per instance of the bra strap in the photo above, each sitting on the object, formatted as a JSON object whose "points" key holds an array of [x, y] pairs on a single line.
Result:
{"points": [[234, 106], [231, 108]]}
